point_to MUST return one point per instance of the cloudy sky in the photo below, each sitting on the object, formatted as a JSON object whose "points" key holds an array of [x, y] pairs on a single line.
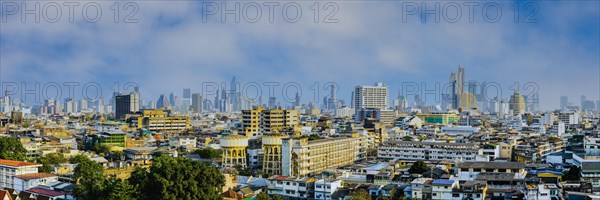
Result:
{"points": [[164, 46]]}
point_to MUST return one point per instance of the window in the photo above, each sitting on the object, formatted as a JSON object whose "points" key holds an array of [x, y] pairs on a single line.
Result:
{"points": [[434, 194]]}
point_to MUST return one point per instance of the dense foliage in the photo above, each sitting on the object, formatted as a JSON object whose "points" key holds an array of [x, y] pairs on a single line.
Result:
{"points": [[12, 149], [167, 178], [51, 159], [209, 153], [418, 168]]}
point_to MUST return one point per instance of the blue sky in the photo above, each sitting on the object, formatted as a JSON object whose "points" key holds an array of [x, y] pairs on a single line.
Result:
{"points": [[171, 46]]}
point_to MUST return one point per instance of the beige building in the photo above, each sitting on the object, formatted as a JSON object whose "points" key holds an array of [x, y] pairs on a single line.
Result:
{"points": [[159, 121], [301, 157], [259, 121]]}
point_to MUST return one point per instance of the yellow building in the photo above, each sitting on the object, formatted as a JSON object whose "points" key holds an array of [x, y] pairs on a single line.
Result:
{"points": [[302, 157], [234, 150], [157, 120], [258, 121], [271, 144]]}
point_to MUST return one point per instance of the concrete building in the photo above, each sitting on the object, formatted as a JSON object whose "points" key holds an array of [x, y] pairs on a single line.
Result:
{"points": [[470, 170], [234, 150], [413, 150], [258, 121], [301, 157], [159, 121], [126, 104], [11, 168]]}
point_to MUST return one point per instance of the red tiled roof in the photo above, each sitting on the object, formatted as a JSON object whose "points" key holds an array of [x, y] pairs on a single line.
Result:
{"points": [[14, 163], [281, 178], [34, 176], [46, 192], [4, 193]]}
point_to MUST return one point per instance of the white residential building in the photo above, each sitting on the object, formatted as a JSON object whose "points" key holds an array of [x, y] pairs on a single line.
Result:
{"points": [[324, 188], [413, 150], [11, 168]]}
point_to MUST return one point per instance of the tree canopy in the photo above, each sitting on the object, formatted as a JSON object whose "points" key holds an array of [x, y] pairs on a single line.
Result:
{"points": [[12, 149], [574, 174], [51, 159], [209, 153], [180, 178], [360, 194], [90, 180], [418, 168]]}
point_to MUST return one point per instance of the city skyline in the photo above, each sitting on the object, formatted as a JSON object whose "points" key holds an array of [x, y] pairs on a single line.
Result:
{"points": [[180, 50]]}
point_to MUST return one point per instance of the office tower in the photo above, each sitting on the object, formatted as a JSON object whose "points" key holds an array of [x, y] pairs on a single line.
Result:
{"points": [[564, 102], [197, 102], [83, 105], [172, 99], [352, 100], [457, 79], [582, 104], [70, 105], [100, 108], [151, 105], [234, 95], [371, 96], [532, 102], [598, 105], [332, 102], [186, 100], [126, 104], [297, 100], [272, 103], [517, 103], [482, 97], [162, 102]]}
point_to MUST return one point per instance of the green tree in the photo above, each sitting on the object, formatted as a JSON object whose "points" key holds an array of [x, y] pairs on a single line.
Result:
{"points": [[78, 159], [360, 194], [119, 189], [181, 178], [138, 180], [574, 174], [117, 155], [209, 153], [51, 159], [12, 149], [263, 196], [89, 179], [243, 171], [418, 168], [407, 138]]}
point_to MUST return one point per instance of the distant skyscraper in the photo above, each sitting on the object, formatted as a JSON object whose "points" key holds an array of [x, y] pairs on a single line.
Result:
{"points": [[272, 103], [458, 87], [172, 100], [564, 102], [197, 102], [582, 104], [83, 105], [297, 100], [186, 100], [332, 102], [126, 104], [162, 102]]}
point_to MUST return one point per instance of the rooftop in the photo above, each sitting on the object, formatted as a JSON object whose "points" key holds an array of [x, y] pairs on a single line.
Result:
{"points": [[15, 163], [34, 176], [492, 165]]}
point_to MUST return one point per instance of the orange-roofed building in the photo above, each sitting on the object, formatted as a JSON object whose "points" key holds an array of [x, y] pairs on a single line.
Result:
{"points": [[11, 168]]}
